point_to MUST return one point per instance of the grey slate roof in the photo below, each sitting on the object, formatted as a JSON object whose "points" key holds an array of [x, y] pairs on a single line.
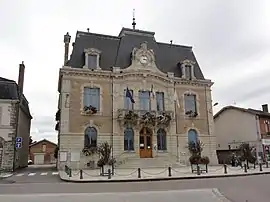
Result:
{"points": [[9, 90], [249, 110], [116, 51]]}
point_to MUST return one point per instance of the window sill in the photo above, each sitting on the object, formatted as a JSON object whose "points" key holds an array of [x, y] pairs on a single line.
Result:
{"points": [[86, 114], [162, 151], [129, 152]]}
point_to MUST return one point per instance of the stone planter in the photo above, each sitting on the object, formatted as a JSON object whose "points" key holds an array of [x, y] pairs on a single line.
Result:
{"points": [[104, 170], [203, 168]]}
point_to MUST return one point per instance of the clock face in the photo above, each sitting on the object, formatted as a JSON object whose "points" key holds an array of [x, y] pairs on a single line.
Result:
{"points": [[143, 59]]}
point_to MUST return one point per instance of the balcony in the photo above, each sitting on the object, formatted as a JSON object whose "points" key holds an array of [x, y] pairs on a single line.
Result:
{"points": [[140, 118]]}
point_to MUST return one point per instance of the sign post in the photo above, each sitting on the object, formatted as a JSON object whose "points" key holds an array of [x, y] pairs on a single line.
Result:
{"points": [[18, 142]]}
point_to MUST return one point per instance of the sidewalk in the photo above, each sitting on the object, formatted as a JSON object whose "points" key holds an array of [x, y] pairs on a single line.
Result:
{"points": [[159, 174], [5, 175]]}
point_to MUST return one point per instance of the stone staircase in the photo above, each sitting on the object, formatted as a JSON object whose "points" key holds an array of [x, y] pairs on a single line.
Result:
{"points": [[157, 162]]}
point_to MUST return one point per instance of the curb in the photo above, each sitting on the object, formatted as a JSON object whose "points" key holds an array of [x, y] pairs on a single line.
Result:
{"points": [[6, 176], [165, 178]]}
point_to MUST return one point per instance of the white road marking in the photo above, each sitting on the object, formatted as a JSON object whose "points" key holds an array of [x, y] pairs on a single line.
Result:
{"points": [[31, 174], [55, 173], [43, 173], [20, 174]]}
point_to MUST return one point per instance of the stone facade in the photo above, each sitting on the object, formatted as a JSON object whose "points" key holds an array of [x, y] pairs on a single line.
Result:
{"points": [[8, 131], [74, 121]]}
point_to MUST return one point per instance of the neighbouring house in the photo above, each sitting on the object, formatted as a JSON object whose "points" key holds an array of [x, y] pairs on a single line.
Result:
{"points": [[146, 98], [42, 152], [235, 125], [15, 121]]}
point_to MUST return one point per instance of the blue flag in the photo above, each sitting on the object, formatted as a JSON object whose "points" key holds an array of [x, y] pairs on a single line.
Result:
{"points": [[129, 95]]}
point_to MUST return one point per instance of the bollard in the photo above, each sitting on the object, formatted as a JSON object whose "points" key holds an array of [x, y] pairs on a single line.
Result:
{"points": [[225, 169], [109, 174], [198, 170], [260, 167], [70, 172], [267, 166], [254, 165], [169, 171], [139, 173], [81, 174], [245, 168]]}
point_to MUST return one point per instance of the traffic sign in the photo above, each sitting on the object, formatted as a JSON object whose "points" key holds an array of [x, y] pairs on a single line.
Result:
{"points": [[18, 145], [19, 139]]}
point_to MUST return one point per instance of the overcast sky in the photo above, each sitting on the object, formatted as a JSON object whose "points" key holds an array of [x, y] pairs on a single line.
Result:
{"points": [[231, 40]]}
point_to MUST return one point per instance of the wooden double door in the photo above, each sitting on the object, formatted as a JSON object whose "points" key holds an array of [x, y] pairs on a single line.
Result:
{"points": [[146, 143]]}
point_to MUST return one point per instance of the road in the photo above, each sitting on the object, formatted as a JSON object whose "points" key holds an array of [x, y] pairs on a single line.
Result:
{"points": [[34, 174], [237, 189]]}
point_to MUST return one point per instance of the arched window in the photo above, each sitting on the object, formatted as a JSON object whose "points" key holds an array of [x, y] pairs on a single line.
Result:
{"points": [[192, 136], [90, 137], [161, 139], [128, 139]]}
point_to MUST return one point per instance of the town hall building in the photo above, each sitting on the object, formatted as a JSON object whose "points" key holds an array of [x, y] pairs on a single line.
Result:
{"points": [[147, 99]]}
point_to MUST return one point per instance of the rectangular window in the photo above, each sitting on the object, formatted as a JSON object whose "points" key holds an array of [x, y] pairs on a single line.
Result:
{"points": [[190, 103], [92, 97], [44, 148], [188, 72], [160, 101], [127, 102], [144, 97], [92, 61]]}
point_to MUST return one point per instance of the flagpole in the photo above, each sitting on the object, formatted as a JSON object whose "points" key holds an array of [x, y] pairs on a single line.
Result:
{"points": [[176, 125]]}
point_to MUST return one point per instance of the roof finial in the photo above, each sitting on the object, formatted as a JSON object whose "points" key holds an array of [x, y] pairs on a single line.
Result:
{"points": [[88, 29], [133, 20]]}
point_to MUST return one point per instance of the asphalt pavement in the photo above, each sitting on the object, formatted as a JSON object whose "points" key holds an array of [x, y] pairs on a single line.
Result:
{"points": [[34, 174], [237, 189], [204, 195]]}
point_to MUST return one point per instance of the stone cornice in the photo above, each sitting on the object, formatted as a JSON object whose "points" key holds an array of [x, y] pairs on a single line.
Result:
{"points": [[118, 76]]}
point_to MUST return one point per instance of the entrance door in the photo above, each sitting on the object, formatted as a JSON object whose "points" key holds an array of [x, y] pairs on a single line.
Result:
{"points": [[146, 143]]}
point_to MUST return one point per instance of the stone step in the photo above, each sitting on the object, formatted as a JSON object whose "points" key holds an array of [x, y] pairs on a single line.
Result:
{"points": [[149, 163]]}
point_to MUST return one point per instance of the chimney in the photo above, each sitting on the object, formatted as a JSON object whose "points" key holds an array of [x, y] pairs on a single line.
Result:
{"points": [[265, 108], [66, 41], [21, 77]]}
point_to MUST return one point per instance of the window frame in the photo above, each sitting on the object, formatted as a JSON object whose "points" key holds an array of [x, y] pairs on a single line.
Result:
{"points": [[149, 100], [98, 97], [127, 138], [127, 101], [161, 140], [88, 137], [158, 99], [92, 52], [194, 100]]}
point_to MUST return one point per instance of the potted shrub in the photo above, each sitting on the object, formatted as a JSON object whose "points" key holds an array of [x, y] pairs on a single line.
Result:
{"points": [[164, 119], [246, 154], [106, 161], [148, 119], [90, 109], [90, 151], [131, 119], [195, 148]]}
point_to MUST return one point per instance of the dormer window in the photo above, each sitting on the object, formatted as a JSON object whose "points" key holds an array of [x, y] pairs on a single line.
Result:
{"points": [[188, 69], [188, 72], [92, 56]]}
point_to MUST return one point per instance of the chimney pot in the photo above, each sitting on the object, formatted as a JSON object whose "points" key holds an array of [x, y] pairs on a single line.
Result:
{"points": [[265, 108], [21, 77]]}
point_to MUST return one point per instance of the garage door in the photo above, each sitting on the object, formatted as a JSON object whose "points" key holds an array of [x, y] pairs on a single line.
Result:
{"points": [[39, 159]]}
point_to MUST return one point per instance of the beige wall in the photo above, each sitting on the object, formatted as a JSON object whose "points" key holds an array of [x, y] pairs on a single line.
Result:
{"points": [[73, 121], [234, 125], [24, 124], [5, 127]]}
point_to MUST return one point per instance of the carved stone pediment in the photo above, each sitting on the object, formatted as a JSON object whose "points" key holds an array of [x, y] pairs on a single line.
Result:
{"points": [[143, 58], [187, 62]]}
